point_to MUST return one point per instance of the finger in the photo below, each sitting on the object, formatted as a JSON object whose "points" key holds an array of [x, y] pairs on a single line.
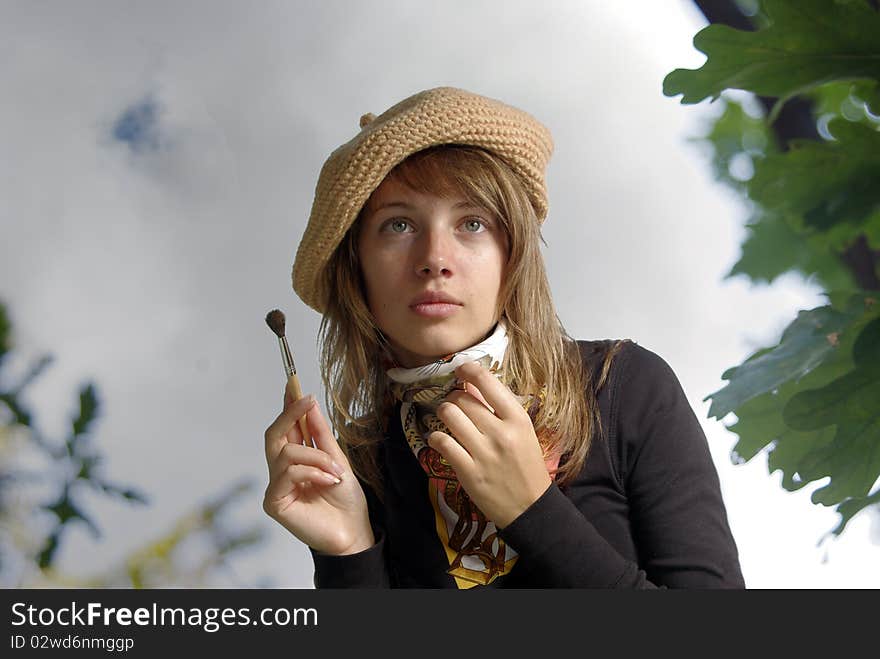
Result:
{"points": [[476, 393], [285, 428], [295, 476], [292, 393], [305, 455], [483, 419], [323, 436], [495, 392], [462, 428], [298, 474], [451, 451]]}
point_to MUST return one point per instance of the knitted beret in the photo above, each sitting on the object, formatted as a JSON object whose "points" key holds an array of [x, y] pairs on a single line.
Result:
{"points": [[444, 115]]}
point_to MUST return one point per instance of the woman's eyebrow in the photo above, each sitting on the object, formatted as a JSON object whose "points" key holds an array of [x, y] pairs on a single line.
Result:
{"points": [[406, 206]]}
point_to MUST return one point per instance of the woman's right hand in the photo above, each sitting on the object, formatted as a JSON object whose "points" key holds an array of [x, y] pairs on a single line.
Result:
{"points": [[303, 493]]}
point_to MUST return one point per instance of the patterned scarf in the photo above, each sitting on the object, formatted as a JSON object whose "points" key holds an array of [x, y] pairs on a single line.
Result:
{"points": [[476, 554]]}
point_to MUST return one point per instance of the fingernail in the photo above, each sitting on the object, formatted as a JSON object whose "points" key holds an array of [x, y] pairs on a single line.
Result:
{"points": [[332, 479], [337, 469]]}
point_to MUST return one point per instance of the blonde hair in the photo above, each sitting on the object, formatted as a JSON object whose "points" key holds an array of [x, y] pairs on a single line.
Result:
{"points": [[540, 351]]}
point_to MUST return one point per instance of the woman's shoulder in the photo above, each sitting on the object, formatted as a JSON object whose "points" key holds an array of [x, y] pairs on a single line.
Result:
{"points": [[624, 360], [639, 388]]}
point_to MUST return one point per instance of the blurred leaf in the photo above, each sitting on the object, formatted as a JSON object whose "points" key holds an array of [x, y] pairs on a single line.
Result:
{"points": [[825, 423], [240, 540], [868, 93], [759, 425], [842, 235], [67, 511], [871, 97], [829, 98], [824, 182], [20, 416], [736, 136], [728, 374], [773, 247], [88, 407], [807, 43], [47, 554], [776, 242], [759, 419], [849, 508], [5, 333], [851, 100], [34, 372], [87, 465], [126, 493], [804, 345], [792, 450], [155, 561], [852, 404]]}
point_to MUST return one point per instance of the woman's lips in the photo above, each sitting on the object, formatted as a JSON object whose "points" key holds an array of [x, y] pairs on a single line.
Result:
{"points": [[435, 309]]}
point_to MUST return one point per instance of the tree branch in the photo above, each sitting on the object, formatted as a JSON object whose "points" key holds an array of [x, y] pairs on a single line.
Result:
{"points": [[862, 263]]}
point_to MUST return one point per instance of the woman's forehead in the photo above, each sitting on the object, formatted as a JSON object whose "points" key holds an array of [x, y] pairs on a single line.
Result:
{"points": [[392, 192]]}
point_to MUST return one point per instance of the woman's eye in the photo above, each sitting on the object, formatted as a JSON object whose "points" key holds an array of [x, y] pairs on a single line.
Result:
{"points": [[397, 226], [474, 225]]}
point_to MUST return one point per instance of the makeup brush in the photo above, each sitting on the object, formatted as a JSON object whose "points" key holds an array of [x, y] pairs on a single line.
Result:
{"points": [[275, 320]]}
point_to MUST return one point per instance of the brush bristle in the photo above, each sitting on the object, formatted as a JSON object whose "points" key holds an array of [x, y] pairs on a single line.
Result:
{"points": [[275, 321]]}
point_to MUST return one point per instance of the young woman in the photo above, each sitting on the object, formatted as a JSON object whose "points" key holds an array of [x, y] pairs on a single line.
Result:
{"points": [[478, 444]]}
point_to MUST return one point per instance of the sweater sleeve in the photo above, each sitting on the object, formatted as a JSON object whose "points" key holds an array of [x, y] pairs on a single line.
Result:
{"points": [[565, 550], [677, 515], [365, 569]]}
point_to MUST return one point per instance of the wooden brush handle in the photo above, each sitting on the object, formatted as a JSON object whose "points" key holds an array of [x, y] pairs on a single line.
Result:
{"points": [[297, 394]]}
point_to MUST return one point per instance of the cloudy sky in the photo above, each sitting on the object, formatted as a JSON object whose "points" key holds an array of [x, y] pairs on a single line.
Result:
{"points": [[160, 159]]}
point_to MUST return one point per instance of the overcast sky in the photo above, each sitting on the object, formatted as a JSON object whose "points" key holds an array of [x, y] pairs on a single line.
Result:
{"points": [[158, 170]]}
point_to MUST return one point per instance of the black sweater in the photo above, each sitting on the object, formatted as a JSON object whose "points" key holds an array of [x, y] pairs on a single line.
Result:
{"points": [[646, 510]]}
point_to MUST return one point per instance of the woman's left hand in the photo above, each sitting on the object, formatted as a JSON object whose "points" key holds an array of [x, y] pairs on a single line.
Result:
{"points": [[497, 458]]}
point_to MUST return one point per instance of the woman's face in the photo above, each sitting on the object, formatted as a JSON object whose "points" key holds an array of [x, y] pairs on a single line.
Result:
{"points": [[433, 268]]}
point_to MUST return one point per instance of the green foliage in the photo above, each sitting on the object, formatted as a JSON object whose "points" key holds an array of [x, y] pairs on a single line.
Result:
{"points": [[808, 342], [773, 247], [88, 407], [806, 44], [812, 401], [154, 564], [848, 404], [737, 136], [75, 462], [5, 333], [73, 468], [853, 100], [811, 398], [846, 190]]}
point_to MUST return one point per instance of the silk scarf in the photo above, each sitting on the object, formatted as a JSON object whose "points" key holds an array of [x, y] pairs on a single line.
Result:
{"points": [[475, 552]]}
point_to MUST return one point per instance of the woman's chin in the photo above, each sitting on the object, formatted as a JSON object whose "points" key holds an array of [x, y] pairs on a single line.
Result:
{"points": [[427, 353], [425, 345]]}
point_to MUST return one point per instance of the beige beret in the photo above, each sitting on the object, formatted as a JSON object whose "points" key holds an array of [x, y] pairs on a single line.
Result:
{"points": [[444, 115]]}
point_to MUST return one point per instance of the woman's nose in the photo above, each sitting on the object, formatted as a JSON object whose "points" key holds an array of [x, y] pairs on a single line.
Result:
{"points": [[434, 255]]}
